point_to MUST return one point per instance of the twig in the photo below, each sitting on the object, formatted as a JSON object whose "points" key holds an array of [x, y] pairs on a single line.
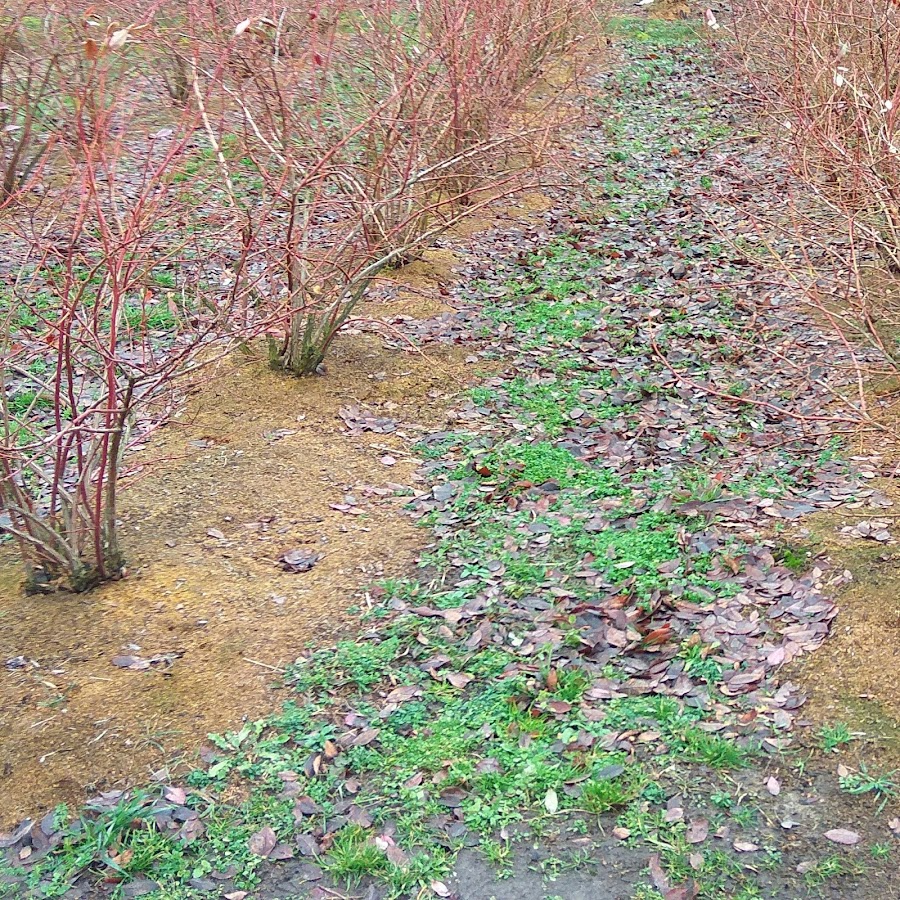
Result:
{"points": [[256, 662]]}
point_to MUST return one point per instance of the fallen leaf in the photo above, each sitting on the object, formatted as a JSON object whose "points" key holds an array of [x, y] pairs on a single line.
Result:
{"points": [[460, 679], [658, 636], [366, 737], [551, 801], [359, 816], [263, 842], [697, 831], [175, 795], [397, 856], [281, 851], [299, 560], [307, 845], [660, 882], [192, 829], [131, 662], [842, 836], [305, 806]]}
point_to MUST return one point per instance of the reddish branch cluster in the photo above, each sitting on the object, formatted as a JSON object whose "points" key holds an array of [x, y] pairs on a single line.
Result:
{"points": [[210, 172], [829, 73]]}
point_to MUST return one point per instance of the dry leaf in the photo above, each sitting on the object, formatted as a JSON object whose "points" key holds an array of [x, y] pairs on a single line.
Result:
{"points": [[842, 836], [459, 679], [660, 882], [175, 795], [118, 38], [263, 842], [697, 831], [551, 801], [745, 847]]}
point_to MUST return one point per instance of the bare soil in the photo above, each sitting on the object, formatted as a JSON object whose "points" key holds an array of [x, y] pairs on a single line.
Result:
{"points": [[854, 678]]}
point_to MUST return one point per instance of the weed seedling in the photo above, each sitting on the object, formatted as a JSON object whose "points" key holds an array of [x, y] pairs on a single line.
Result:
{"points": [[833, 737], [865, 782]]}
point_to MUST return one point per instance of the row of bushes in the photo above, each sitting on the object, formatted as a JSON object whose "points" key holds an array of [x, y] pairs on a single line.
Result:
{"points": [[213, 173], [828, 72]]}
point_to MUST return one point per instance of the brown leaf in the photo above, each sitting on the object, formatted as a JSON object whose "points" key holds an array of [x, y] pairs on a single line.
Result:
{"points": [[396, 855], [263, 842], [687, 891], [299, 560], [307, 845], [404, 693], [658, 636], [488, 765], [281, 851], [359, 816], [842, 836], [175, 795], [366, 737], [192, 829], [453, 797], [460, 679], [660, 882], [13, 838], [91, 50], [130, 662], [305, 806], [697, 831], [745, 847]]}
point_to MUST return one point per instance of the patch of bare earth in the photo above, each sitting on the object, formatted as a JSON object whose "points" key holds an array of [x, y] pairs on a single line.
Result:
{"points": [[853, 678]]}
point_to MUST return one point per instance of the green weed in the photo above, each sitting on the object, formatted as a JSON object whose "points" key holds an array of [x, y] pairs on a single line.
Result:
{"points": [[833, 737]]}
